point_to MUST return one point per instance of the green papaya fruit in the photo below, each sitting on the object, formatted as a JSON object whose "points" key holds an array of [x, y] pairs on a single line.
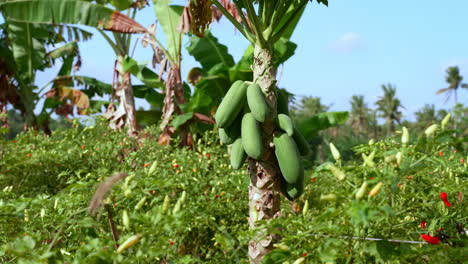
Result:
{"points": [[238, 155], [285, 123], [301, 142], [251, 134], [257, 102], [282, 104], [289, 159], [231, 104], [229, 134], [292, 191]]}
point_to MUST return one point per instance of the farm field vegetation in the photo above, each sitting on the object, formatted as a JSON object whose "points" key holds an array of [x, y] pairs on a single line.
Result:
{"points": [[189, 206]]}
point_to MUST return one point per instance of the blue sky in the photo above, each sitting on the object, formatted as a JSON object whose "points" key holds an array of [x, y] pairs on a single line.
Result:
{"points": [[351, 47]]}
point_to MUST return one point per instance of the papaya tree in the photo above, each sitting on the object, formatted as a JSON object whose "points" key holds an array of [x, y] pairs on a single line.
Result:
{"points": [[271, 171]]}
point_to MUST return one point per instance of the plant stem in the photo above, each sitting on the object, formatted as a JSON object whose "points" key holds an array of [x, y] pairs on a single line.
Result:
{"points": [[258, 28], [165, 51], [115, 235], [236, 24], [281, 31], [279, 12], [109, 40], [244, 20]]}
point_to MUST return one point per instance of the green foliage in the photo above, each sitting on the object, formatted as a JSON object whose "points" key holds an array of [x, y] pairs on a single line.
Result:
{"points": [[67, 12], [189, 206], [311, 126], [169, 18], [209, 52]]}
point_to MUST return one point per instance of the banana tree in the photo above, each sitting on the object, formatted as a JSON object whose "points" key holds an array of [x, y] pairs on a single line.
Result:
{"points": [[264, 26], [23, 50], [101, 17]]}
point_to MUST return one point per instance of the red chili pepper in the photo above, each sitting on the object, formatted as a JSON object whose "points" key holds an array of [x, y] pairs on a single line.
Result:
{"points": [[399, 185], [462, 161], [430, 239], [313, 179], [371, 178], [441, 153], [28, 155], [423, 224], [146, 165], [444, 197], [171, 242], [304, 254], [208, 155], [175, 165]]}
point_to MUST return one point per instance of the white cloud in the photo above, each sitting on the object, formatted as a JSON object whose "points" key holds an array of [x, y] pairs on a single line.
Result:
{"points": [[347, 43]]}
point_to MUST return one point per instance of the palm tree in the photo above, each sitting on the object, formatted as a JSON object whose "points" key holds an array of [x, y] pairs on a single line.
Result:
{"points": [[454, 80], [388, 106], [425, 116], [307, 107], [359, 113]]}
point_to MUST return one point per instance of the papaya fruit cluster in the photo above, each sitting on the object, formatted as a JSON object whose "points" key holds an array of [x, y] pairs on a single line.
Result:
{"points": [[239, 117]]}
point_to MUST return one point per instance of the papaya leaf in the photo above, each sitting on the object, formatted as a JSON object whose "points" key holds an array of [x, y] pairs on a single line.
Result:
{"points": [[292, 25], [284, 49]]}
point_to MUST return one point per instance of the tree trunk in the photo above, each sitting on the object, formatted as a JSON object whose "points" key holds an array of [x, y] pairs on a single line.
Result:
{"points": [[389, 127], [125, 94], [264, 188], [174, 98]]}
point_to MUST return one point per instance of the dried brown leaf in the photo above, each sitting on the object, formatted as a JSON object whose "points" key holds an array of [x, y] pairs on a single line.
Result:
{"points": [[194, 75], [122, 23]]}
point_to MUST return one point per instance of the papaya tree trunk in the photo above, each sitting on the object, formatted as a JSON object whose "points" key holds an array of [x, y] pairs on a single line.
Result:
{"points": [[264, 188]]}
